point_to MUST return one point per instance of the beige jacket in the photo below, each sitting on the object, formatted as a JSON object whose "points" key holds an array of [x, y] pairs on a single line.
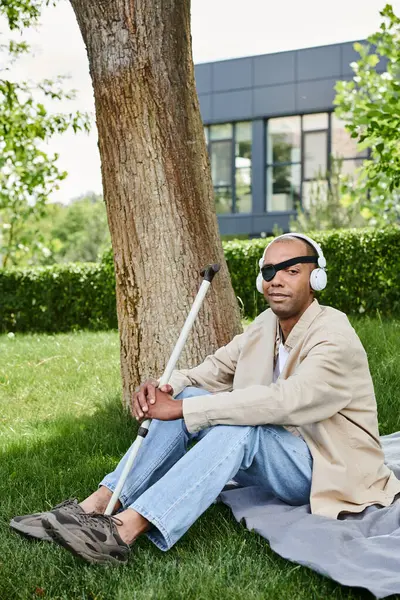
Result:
{"points": [[325, 390]]}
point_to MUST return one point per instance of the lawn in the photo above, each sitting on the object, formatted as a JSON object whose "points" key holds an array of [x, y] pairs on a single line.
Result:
{"points": [[62, 428]]}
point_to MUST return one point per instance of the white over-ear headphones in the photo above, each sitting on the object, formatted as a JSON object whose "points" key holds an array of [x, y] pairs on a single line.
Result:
{"points": [[318, 278]]}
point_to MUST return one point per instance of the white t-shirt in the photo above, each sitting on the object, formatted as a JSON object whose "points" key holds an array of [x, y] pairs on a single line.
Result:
{"points": [[280, 361]]}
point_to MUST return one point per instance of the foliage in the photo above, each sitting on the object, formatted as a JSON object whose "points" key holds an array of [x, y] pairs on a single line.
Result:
{"points": [[363, 266], [370, 103], [242, 259], [21, 13], [330, 205], [28, 175], [81, 231], [76, 232], [57, 298]]}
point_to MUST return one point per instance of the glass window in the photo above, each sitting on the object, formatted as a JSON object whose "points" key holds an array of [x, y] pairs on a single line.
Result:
{"points": [[229, 145], [221, 132], [221, 163], [301, 151], [313, 192], [220, 148], [284, 140], [343, 145], [283, 187], [243, 189], [206, 134], [223, 199], [315, 122], [243, 143], [243, 137], [244, 202], [315, 154], [349, 167]]}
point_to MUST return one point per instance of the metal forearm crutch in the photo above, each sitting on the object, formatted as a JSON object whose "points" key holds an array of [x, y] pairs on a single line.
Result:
{"points": [[208, 275]]}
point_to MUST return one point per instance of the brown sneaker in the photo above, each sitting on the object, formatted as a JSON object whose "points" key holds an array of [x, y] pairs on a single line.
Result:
{"points": [[93, 536], [31, 526]]}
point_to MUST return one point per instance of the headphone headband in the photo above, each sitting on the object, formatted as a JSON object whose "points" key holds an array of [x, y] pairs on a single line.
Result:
{"points": [[301, 236]]}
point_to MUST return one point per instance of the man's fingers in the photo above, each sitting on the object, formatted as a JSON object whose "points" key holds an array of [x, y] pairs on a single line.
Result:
{"points": [[151, 393], [139, 412], [167, 389], [135, 407], [142, 399]]}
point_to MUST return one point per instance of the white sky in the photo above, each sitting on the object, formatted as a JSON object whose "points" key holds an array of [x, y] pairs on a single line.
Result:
{"points": [[221, 29]]}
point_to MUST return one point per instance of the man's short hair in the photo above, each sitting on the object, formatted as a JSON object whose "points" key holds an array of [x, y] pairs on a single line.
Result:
{"points": [[310, 250]]}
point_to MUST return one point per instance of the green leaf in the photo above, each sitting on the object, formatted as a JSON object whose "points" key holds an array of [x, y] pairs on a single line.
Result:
{"points": [[373, 60], [28, 176], [358, 47]]}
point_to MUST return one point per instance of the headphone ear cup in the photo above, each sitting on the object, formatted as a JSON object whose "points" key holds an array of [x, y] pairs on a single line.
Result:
{"points": [[259, 283], [318, 280]]}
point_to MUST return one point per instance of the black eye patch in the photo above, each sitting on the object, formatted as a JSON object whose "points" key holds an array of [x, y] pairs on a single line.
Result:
{"points": [[269, 271]]}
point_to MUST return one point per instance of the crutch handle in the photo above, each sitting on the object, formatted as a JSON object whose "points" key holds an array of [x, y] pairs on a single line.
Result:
{"points": [[210, 271]]}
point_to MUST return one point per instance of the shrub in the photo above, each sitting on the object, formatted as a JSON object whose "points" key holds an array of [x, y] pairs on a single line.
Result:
{"points": [[363, 277], [57, 298], [242, 259], [363, 268]]}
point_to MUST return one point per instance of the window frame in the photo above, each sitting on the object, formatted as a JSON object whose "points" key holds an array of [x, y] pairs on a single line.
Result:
{"points": [[232, 140], [268, 166], [303, 153], [271, 165]]}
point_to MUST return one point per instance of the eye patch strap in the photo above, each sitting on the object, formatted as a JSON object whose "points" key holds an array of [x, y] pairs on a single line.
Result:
{"points": [[273, 269]]}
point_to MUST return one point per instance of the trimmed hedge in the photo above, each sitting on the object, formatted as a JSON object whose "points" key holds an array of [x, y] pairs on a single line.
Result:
{"points": [[363, 268], [57, 298], [363, 277]]}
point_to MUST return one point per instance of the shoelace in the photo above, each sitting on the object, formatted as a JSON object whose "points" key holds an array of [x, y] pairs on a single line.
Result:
{"points": [[96, 519]]}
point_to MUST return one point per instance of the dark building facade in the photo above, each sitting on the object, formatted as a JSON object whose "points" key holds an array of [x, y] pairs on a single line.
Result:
{"points": [[272, 134]]}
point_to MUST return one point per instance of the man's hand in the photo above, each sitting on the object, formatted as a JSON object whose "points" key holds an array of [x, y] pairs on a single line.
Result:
{"points": [[165, 408], [146, 396]]}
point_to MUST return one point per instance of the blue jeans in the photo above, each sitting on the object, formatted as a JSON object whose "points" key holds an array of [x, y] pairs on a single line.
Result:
{"points": [[172, 486]]}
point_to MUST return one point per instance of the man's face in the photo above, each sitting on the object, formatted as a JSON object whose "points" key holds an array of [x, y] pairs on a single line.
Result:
{"points": [[288, 293]]}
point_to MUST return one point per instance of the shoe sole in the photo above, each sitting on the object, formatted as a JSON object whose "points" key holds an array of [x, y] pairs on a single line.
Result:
{"points": [[29, 532], [62, 536]]}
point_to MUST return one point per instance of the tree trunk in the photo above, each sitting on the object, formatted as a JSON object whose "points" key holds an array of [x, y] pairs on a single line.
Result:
{"points": [[157, 183]]}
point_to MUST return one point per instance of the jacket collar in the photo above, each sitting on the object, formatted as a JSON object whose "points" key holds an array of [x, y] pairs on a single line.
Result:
{"points": [[303, 324]]}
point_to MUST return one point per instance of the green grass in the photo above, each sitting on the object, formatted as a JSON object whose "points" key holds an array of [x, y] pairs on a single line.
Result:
{"points": [[62, 428]]}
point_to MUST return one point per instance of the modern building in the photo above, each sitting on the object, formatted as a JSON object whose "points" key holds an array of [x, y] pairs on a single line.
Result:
{"points": [[272, 134]]}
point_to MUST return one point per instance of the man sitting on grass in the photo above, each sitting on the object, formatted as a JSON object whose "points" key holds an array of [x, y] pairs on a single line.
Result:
{"points": [[288, 405]]}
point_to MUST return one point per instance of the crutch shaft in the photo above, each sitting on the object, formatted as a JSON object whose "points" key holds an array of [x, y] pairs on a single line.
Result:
{"points": [[144, 427]]}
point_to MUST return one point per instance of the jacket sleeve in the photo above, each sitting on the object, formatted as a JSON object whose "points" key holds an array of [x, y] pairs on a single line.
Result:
{"points": [[317, 390], [215, 373]]}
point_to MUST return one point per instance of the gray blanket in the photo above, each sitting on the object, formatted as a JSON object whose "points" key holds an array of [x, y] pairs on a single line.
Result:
{"points": [[360, 550]]}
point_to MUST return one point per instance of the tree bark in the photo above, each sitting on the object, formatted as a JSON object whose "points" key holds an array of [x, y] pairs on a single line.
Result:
{"points": [[157, 182]]}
